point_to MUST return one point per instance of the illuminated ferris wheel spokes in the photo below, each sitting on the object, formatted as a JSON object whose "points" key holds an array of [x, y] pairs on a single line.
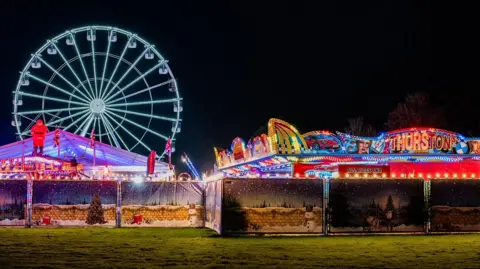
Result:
{"points": [[118, 92]]}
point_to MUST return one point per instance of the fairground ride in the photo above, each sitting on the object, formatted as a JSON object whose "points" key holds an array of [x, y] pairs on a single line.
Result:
{"points": [[111, 97]]}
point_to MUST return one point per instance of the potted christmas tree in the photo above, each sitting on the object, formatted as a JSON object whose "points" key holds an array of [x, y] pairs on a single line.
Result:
{"points": [[95, 212]]}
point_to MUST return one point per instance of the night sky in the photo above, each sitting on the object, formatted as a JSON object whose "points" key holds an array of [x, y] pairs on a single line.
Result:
{"points": [[11, 191], [59, 192], [183, 193], [275, 192], [461, 193], [239, 63], [363, 192]]}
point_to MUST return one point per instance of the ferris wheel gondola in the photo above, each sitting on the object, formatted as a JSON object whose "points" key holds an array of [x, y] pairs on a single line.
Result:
{"points": [[99, 78]]}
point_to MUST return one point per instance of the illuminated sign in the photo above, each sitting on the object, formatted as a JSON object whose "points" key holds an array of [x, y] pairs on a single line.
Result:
{"points": [[35, 164], [260, 146], [422, 142], [410, 141], [238, 149], [301, 169], [364, 169], [403, 141]]}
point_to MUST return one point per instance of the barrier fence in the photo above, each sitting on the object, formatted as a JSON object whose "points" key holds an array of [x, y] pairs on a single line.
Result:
{"points": [[311, 206], [101, 203]]}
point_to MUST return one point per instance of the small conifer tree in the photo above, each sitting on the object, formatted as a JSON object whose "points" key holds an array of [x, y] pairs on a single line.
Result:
{"points": [[95, 211]]}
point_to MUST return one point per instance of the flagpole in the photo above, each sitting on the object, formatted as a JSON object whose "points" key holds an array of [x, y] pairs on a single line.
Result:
{"points": [[169, 163], [58, 146], [168, 149], [94, 158], [23, 156], [56, 141], [92, 143]]}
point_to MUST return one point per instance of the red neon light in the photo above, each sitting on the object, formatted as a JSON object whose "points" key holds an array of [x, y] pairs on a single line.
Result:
{"points": [[442, 168]]}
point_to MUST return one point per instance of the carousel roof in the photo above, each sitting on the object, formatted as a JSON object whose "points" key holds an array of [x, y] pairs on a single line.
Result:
{"points": [[72, 145]]}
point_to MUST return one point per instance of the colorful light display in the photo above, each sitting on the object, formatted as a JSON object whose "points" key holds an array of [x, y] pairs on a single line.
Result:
{"points": [[67, 156], [410, 151]]}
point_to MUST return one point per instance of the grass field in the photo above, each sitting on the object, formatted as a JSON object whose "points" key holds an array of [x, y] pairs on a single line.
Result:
{"points": [[200, 248]]}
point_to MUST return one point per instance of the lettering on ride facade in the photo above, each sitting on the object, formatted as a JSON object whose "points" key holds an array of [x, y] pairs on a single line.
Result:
{"points": [[423, 141]]}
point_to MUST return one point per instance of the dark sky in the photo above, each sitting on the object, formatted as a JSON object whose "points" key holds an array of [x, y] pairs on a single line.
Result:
{"points": [[253, 193], [239, 63], [58, 193]]}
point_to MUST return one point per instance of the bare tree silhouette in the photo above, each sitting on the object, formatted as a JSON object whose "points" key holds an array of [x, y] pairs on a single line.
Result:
{"points": [[416, 110], [356, 126]]}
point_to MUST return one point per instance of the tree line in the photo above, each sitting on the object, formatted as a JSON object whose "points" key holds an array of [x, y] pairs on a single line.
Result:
{"points": [[415, 111]]}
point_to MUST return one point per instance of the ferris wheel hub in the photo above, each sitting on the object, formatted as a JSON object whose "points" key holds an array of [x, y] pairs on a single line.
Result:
{"points": [[97, 106]]}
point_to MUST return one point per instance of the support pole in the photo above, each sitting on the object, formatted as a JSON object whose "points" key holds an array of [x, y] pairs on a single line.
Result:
{"points": [[220, 228], [175, 193], [118, 218], [94, 159], [23, 155], [426, 195], [326, 196], [29, 201], [204, 187]]}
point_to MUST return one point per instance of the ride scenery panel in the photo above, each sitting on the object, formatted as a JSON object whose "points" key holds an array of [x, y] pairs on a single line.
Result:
{"points": [[272, 206], [376, 205], [213, 203], [217, 219], [455, 205], [162, 204], [13, 200], [73, 203]]}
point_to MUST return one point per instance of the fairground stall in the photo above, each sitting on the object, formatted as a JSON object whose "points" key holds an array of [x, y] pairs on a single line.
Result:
{"points": [[410, 180], [75, 183]]}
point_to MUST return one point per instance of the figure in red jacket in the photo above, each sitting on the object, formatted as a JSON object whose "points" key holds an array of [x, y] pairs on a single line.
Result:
{"points": [[39, 130]]}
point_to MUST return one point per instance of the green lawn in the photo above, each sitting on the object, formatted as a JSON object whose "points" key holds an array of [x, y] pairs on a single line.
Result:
{"points": [[201, 248]]}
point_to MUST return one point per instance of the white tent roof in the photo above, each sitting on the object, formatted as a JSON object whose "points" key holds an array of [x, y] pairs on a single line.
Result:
{"points": [[72, 145]]}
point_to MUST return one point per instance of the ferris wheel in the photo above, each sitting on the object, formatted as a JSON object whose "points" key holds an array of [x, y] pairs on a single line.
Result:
{"points": [[101, 80]]}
